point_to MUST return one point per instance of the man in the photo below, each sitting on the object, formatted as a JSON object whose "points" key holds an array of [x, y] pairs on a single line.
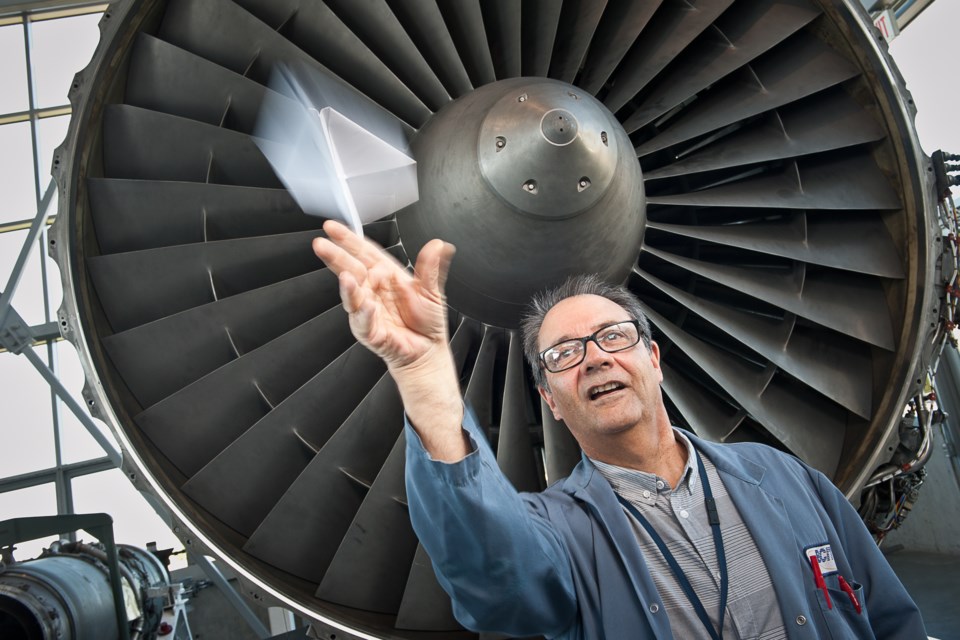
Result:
{"points": [[656, 533]]}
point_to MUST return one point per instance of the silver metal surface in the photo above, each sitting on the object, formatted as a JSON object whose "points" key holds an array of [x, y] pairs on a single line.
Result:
{"points": [[552, 136], [534, 211]]}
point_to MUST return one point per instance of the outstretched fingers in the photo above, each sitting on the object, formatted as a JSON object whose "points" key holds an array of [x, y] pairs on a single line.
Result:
{"points": [[360, 307], [351, 293], [344, 251], [393, 312], [338, 260], [366, 251]]}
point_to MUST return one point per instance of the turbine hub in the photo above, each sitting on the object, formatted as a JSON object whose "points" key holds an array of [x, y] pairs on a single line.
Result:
{"points": [[548, 151], [533, 180]]}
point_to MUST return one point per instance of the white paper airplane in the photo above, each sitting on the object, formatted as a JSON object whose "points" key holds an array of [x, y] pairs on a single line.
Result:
{"points": [[338, 154]]}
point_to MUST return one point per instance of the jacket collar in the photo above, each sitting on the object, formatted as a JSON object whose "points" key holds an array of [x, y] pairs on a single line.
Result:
{"points": [[582, 483]]}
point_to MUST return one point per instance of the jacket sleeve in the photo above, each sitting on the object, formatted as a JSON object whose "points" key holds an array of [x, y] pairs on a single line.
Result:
{"points": [[502, 563], [892, 612]]}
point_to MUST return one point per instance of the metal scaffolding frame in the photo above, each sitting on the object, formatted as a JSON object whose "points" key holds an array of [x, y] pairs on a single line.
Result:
{"points": [[17, 337], [37, 343]]}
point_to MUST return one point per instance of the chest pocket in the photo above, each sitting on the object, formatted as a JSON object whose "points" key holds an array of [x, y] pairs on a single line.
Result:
{"points": [[840, 617], [839, 611]]}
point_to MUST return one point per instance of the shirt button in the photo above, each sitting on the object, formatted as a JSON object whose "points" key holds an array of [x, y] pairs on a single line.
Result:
{"points": [[660, 484], [684, 513], [654, 608], [801, 620], [646, 494]]}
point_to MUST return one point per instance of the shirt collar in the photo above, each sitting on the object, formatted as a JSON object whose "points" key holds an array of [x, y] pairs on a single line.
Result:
{"points": [[644, 487]]}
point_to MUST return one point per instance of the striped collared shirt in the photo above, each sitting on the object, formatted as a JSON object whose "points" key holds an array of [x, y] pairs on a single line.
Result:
{"points": [[679, 516]]}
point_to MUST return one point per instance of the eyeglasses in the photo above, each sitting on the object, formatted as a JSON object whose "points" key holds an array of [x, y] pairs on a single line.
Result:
{"points": [[611, 338]]}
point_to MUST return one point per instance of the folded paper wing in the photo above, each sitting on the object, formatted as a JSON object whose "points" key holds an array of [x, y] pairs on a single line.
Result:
{"points": [[335, 166], [377, 178]]}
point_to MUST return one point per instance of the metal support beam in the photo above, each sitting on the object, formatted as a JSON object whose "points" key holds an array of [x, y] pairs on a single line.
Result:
{"points": [[17, 337], [46, 332], [14, 7], [42, 334], [234, 598], [73, 405], [15, 334], [43, 476], [14, 280]]}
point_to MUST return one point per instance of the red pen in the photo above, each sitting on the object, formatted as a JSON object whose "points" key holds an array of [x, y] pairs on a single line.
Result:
{"points": [[845, 586], [819, 581]]}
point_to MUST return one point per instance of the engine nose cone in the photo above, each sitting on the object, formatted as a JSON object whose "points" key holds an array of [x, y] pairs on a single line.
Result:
{"points": [[547, 150], [533, 180]]}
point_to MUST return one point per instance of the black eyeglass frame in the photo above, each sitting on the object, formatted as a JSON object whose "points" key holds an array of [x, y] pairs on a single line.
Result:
{"points": [[591, 338]]}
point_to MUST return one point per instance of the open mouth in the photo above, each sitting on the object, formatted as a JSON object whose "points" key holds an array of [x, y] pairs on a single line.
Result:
{"points": [[604, 389]]}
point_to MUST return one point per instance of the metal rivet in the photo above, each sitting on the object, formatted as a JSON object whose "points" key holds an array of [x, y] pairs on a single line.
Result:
{"points": [[501, 142], [522, 98], [654, 608], [801, 620]]}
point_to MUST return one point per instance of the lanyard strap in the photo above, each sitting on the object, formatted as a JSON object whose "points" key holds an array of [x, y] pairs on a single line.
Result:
{"points": [[714, 519]]}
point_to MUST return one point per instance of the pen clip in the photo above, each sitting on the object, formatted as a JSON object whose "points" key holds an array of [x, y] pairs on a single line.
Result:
{"points": [[846, 588]]}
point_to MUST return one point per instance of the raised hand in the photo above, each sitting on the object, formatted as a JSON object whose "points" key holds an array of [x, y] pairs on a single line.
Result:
{"points": [[397, 315], [401, 317]]}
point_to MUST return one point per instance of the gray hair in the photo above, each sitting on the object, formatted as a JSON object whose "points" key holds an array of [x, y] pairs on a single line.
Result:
{"points": [[580, 285]]}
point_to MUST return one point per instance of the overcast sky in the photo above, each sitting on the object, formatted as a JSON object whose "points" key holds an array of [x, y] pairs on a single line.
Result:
{"points": [[926, 55]]}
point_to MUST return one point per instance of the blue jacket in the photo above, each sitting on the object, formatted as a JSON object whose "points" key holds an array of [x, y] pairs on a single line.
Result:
{"points": [[565, 563]]}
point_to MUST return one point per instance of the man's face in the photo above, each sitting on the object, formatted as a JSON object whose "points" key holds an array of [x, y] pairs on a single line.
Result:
{"points": [[607, 393]]}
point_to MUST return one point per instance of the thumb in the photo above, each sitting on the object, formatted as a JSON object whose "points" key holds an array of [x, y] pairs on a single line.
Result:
{"points": [[433, 265]]}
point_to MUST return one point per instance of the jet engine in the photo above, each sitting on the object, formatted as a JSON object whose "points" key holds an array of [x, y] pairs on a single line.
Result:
{"points": [[748, 167]]}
